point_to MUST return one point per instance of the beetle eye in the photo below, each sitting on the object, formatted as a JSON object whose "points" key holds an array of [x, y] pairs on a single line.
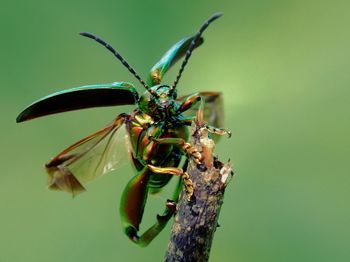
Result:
{"points": [[174, 94]]}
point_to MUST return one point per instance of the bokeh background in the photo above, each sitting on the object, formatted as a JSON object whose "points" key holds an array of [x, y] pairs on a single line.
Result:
{"points": [[283, 67]]}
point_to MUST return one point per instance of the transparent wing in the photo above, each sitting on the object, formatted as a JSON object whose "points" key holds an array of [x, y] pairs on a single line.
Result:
{"points": [[87, 159], [213, 108]]}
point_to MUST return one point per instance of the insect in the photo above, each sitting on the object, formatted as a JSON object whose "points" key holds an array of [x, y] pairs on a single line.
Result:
{"points": [[158, 131]]}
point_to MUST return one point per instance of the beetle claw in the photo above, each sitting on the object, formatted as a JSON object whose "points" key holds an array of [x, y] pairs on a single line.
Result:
{"points": [[131, 232], [188, 185], [170, 203], [192, 198], [170, 210], [202, 167], [218, 131]]}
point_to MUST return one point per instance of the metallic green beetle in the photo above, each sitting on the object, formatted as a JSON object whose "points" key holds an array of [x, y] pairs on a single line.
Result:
{"points": [[157, 130]]}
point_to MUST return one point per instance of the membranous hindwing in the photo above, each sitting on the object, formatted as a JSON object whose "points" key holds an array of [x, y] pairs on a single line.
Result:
{"points": [[109, 154], [89, 158]]}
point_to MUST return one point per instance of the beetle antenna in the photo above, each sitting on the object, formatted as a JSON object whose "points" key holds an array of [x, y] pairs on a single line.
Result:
{"points": [[119, 57], [192, 46]]}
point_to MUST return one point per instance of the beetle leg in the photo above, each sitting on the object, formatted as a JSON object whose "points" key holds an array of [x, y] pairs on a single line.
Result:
{"points": [[132, 206], [162, 220], [133, 202], [186, 147], [134, 199], [177, 172], [190, 102], [187, 121], [218, 131], [166, 170], [200, 122], [212, 107], [188, 185], [154, 230]]}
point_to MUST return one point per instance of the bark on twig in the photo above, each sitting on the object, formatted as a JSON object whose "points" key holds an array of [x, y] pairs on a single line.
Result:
{"points": [[196, 220]]}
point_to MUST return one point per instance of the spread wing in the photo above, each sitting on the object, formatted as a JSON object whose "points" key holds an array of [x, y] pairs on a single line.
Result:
{"points": [[114, 94], [176, 52], [87, 159]]}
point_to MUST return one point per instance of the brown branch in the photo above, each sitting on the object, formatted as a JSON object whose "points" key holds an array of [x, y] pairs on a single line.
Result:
{"points": [[196, 220]]}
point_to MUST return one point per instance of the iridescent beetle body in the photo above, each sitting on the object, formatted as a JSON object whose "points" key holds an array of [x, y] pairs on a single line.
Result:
{"points": [[157, 130]]}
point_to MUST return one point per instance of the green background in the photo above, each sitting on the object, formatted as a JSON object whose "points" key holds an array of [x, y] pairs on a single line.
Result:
{"points": [[284, 69]]}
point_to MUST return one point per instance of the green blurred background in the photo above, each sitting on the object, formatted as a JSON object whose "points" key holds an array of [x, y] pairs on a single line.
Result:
{"points": [[284, 69]]}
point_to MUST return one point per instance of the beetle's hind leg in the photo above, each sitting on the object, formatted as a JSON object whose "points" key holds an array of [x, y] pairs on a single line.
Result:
{"points": [[132, 206], [143, 240]]}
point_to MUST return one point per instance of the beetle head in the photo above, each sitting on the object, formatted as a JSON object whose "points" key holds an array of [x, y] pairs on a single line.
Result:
{"points": [[160, 103]]}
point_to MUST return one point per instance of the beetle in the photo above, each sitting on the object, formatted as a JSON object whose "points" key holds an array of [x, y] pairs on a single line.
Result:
{"points": [[158, 134]]}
